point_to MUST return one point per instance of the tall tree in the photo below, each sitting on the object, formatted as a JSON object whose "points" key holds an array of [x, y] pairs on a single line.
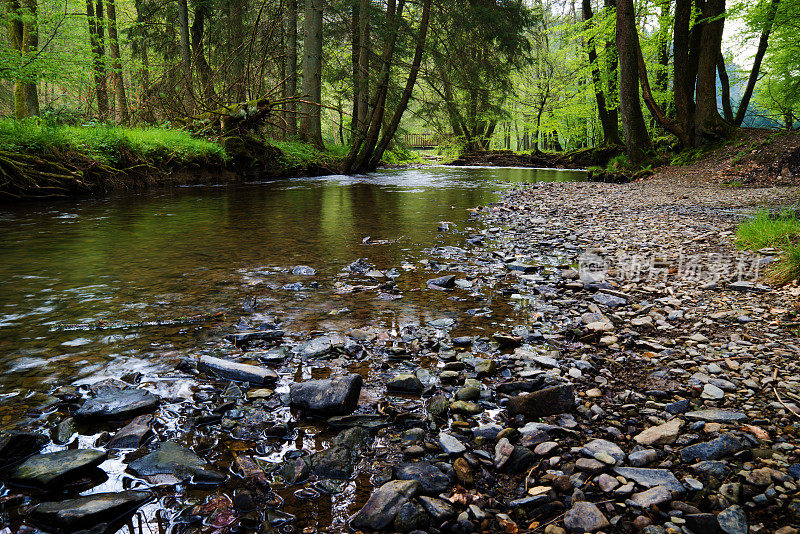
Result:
{"points": [[637, 139], [236, 72], [185, 67], [123, 116], [607, 121], [204, 71], [24, 36], [290, 115], [311, 108], [94, 15]]}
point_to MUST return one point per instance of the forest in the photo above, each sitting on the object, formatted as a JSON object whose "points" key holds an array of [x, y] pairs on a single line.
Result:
{"points": [[465, 75]]}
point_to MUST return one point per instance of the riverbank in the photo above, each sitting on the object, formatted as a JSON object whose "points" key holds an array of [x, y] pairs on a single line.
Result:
{"points": [[38, 161], [648, 390]]}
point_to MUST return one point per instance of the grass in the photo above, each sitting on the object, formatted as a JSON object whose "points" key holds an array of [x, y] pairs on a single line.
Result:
{"points": [[106, 144], [300, 154], [781, 231]]}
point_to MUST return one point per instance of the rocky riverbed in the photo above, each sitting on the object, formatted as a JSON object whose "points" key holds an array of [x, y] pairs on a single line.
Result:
{"points": [[653, 389]]}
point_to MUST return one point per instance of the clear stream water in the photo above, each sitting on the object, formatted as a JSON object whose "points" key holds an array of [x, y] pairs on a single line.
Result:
{"points": [[201, 250]]}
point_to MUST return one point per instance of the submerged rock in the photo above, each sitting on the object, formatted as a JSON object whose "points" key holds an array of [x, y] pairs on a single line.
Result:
{"points": [[50, 469], [172, 463], [114, 403], [335, 396], [406, 383], [133, 434], [18, 445], [238, 372], [83, 512]]}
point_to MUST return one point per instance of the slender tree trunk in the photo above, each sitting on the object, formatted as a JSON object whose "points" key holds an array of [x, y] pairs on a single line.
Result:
{"points": [[185, 70], [683, 80], [612, 61], [311, 108], [391, 129], [610, 130], [290, 115], [94, 14], [725, 88], [123, 116], [637, 139], [237, 82], [754, 72], [362, 92], [204, 72]]}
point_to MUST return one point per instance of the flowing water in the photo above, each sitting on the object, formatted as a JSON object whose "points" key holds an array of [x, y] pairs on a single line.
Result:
{"points": [[71, 272]]}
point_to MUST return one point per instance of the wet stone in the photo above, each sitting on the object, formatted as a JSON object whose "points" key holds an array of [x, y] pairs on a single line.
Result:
{"points": [[431, 478], [406, 383], [660, 435], [651, 477], [171, 463], [444, 282], [116, 404], [439, 509], [411, 517], [716, 415], [383, 505], [17, 445], [549, 401], [47, 470], [653, 496], [733, 520], [89, 511], [337, 396], [132, 435], [337, 462], [451, 444], [585, 517], [238, 372], [716, 449], [604, 447]]}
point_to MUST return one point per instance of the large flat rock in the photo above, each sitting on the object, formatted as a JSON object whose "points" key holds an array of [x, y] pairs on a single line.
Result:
{"points": [[118, 404], [238, 372], [173, 463], [86, 512], [47, 470]]}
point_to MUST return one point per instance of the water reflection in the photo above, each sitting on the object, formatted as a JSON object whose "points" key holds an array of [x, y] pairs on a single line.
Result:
{"points": [[197, 250]]}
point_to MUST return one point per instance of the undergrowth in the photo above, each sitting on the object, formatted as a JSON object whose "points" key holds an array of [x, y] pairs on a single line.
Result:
{"points": [[106, 144], [781, 231]]}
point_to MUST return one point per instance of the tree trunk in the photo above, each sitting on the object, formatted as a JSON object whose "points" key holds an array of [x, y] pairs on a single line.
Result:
{"points": [[362, 80], [637, 140], [311, 119], [612, 60], [123, 116], [708, 123], [391, 129], [683, 81], [610, 131], [204, 72], [725, 88], [754, 72], [95, 18], [24, 37], [185, 70], [290, 115], [236, 77]]}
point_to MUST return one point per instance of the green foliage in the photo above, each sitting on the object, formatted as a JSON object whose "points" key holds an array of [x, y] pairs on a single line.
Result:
{"points": [[301, 154], [687, 157], [787, 268], [768, 230], [105, 143]]}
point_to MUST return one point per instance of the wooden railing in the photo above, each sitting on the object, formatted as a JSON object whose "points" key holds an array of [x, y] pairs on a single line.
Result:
{"points": [[422, 140]]}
